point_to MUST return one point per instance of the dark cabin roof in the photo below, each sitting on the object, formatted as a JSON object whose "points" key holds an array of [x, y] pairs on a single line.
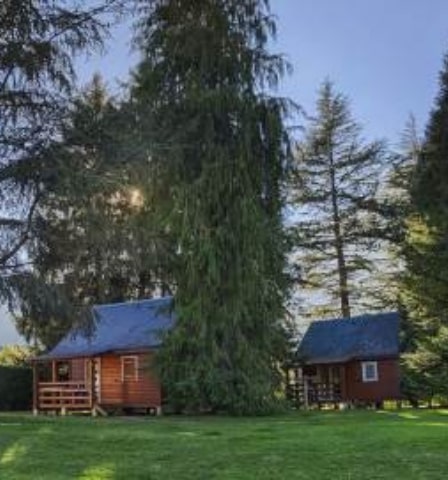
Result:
{"points": [[127, 326], [341, 340]]}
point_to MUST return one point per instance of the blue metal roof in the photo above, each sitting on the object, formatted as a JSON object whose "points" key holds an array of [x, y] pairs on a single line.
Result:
{"points": [[361, 337], [122, 326]]}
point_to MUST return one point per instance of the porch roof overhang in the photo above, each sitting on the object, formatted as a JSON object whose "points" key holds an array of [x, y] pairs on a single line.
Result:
{"points": [[343, 360], [91, 354]]}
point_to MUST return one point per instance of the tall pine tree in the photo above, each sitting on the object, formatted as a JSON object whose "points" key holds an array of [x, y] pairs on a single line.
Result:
{"points": [[335, 183], [220, 148], [426, 298]]}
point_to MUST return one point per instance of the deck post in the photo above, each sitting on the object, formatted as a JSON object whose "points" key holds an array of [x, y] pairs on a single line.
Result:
{"points": [[35, 390], [306, 402], [53, 371], [54, 379], [93, 399], [342, 376], [288, 387]]}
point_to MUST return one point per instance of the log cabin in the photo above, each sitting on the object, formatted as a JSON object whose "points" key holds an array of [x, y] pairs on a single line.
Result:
{"points": [[351, 361], [106, 367]]}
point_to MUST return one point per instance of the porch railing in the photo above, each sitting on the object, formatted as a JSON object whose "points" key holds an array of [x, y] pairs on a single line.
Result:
{"points": [[313, 393], [324, 392], [64, 395]]}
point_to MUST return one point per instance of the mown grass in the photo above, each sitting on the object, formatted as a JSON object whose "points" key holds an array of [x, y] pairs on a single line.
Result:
{"points": [[330, 445]]}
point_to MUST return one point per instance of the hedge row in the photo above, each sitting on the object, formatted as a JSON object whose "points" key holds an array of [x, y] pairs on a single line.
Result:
{"points": [[16, 388]]}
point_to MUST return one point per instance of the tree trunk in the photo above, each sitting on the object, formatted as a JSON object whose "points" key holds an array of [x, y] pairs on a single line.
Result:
{"points": [[339, 244]]}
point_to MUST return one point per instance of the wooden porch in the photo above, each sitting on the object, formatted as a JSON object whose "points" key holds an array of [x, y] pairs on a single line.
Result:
{"points": [[315, 386], [63, 396], [61, 386]]}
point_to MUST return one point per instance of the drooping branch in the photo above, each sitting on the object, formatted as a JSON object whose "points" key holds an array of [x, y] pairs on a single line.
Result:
{"points": [[25, 235]]}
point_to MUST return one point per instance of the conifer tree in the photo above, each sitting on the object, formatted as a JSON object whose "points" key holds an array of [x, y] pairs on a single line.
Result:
{"points": [[426, 254], [95, 239], [335, 183], [394, 211], [220, 149], [39, 40]]}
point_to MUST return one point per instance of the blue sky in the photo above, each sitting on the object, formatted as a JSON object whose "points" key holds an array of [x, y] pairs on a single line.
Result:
{"points": [[384, 54]]}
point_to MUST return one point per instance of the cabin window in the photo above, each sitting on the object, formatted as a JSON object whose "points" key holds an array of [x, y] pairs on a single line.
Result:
{"points": [[129, 368], [369, 371]]}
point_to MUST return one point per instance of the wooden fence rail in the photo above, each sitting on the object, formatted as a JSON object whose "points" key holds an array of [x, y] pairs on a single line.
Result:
{"points": [[64, 396], [311, 393]]}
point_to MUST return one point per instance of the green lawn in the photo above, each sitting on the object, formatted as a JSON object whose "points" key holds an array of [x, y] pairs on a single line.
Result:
{"points": [[347, 446]]}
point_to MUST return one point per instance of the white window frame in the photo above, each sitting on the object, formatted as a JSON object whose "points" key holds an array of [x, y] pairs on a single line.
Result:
{"points": [[129, 357], [365, 367]]}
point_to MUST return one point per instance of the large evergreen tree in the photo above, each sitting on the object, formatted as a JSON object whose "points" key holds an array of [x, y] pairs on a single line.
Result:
{"points": [[95, 239], [220, 148], [426, 251], [335, 184], [39, 39]]}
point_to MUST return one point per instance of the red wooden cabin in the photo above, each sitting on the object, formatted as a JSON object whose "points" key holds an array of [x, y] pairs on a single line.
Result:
{"points": [[109, 366], [349, 361]]}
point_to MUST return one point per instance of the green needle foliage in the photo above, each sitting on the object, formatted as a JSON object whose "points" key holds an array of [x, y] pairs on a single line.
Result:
{"points": [[220, 148], [39, 40], [426, 252], [334, 188], [95, 239]]}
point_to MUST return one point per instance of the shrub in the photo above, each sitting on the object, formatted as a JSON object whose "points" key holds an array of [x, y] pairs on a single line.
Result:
{"points": [[16, 388], [15, 355]]}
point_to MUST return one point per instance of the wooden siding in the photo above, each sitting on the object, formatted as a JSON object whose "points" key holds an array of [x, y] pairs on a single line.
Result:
{"points": [[343, 382], [143, 391], [386, 388]]}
